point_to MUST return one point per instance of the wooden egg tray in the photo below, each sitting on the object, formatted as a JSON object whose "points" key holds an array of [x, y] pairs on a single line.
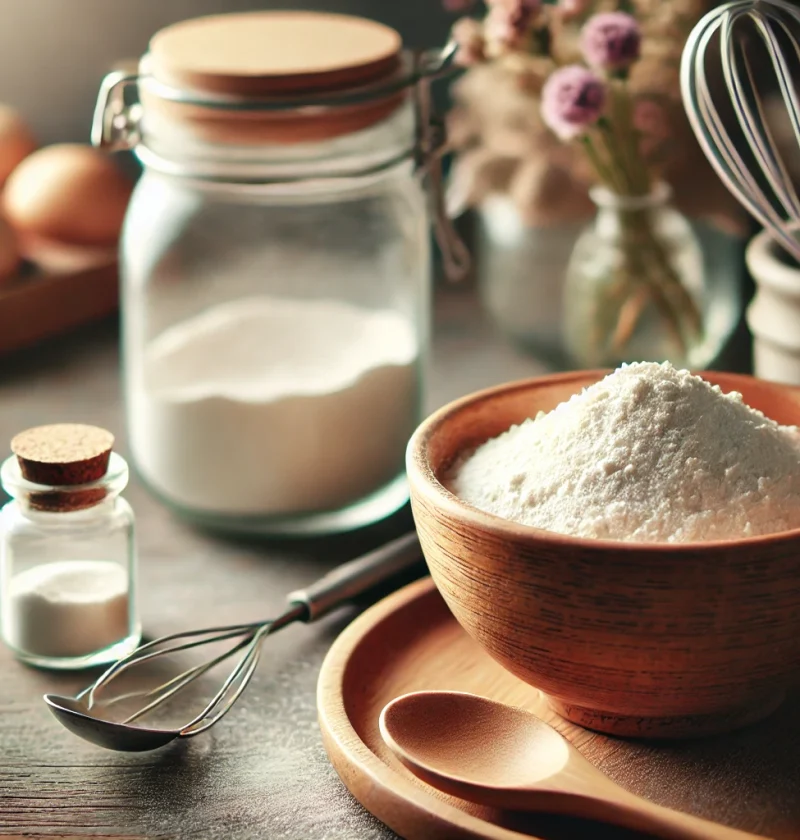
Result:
{"points": [[36, 305]]}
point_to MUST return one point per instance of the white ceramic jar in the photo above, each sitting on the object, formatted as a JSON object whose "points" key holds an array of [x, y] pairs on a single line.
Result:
{"points": [[774, 313], [275, 268]]}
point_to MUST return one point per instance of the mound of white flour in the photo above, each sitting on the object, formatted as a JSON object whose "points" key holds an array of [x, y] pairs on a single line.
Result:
{"points": [[649, 454]]}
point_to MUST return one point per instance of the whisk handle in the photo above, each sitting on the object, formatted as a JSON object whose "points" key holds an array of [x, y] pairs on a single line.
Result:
{"points": [[355, 578]]}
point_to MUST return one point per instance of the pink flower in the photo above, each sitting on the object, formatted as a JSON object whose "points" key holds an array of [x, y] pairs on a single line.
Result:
{"points": [[509, 21], [573, 98], [611, 41], [470, 43]]}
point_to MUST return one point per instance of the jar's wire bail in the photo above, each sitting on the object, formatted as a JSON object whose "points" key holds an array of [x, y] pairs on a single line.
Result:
{"points": [[115, 122], [431, 146], [118, 113]]}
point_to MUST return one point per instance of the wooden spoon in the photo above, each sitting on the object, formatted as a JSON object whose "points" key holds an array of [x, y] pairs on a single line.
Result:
{"points": [[497, 755]]}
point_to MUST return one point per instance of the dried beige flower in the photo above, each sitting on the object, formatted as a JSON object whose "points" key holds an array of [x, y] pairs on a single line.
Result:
{"points": [[503, 144]]}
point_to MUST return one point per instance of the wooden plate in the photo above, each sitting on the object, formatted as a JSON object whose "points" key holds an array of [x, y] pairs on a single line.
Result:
{"points": [[410, 642]]}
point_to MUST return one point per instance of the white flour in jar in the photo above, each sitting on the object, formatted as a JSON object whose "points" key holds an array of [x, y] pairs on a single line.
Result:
{"points": [[268, 406], [649, 454], [67, 608]]}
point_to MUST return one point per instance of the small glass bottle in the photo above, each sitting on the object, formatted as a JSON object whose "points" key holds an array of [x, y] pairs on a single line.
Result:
{"points": [[67, 549]]}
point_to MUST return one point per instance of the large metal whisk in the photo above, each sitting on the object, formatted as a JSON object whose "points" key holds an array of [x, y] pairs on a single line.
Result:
{"points": [[85, 715], [731, 124]]}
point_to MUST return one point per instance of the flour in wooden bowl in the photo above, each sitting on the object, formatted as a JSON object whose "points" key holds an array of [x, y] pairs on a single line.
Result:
{"points": [[648, 454]]}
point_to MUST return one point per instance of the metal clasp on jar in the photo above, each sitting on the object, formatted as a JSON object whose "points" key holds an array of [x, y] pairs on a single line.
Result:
{"points": [[118, 113]]}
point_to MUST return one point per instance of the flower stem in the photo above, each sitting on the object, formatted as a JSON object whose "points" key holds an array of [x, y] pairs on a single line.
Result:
{"points": [[630, 137], [647, 273], [656, 271], [605, 171]]}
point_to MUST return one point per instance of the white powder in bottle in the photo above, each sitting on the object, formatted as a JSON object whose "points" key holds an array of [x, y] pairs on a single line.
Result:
{"points": [[67, 608], [269, 406], [649, 454]]}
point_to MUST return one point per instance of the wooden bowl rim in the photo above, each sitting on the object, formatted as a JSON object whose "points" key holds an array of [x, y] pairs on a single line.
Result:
{"points": [[422, 477]]}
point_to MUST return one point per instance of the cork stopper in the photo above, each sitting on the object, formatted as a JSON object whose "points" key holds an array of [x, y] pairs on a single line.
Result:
{"points": [[64, 454]]}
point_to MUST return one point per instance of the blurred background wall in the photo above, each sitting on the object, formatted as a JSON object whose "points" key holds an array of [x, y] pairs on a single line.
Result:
{"points": [[53, 53]]}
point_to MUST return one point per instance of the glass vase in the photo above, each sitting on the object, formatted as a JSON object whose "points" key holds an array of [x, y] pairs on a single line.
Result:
{"points": [[635, 288]]}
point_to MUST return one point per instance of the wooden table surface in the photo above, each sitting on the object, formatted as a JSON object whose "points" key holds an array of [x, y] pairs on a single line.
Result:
{"points": [[263, 771]]}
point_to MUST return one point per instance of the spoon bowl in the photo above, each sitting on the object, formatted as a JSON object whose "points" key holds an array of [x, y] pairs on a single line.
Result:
{"points": [[72, 713], [496, 742], [493, 754]]}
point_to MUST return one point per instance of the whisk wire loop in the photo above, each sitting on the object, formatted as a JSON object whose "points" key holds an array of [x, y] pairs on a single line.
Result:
{"points": [[705, 118], [783, 182], [238, 679], [761, 142], [751, 165], [250, 637], [169, 689], [157, 649], [786, 80]]}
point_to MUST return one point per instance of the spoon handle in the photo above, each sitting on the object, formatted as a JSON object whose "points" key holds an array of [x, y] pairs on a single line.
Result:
{"points": [[629, 811]]}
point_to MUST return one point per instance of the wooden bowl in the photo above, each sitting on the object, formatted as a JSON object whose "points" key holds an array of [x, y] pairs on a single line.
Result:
{"points": [[633, 639]]}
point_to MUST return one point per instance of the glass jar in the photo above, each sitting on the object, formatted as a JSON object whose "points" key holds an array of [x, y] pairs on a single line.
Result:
{"points": [[275, 274], [635, 287], [68, 569]]}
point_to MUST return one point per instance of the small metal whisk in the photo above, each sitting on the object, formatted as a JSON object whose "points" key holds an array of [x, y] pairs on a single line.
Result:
{"points": [[730, 122], [397, 559]]}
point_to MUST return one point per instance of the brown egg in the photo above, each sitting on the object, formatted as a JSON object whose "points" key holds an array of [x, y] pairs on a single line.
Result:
{"points": [[9, 252], [16, 140], [67, 193]]}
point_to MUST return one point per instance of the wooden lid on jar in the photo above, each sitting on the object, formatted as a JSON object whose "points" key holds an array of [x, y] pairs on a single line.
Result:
{"points": [[271, 55]]}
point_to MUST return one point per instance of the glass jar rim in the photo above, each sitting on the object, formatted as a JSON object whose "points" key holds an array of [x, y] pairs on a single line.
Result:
{"points": [[230, 140], [605, 198], [116, 121]]}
